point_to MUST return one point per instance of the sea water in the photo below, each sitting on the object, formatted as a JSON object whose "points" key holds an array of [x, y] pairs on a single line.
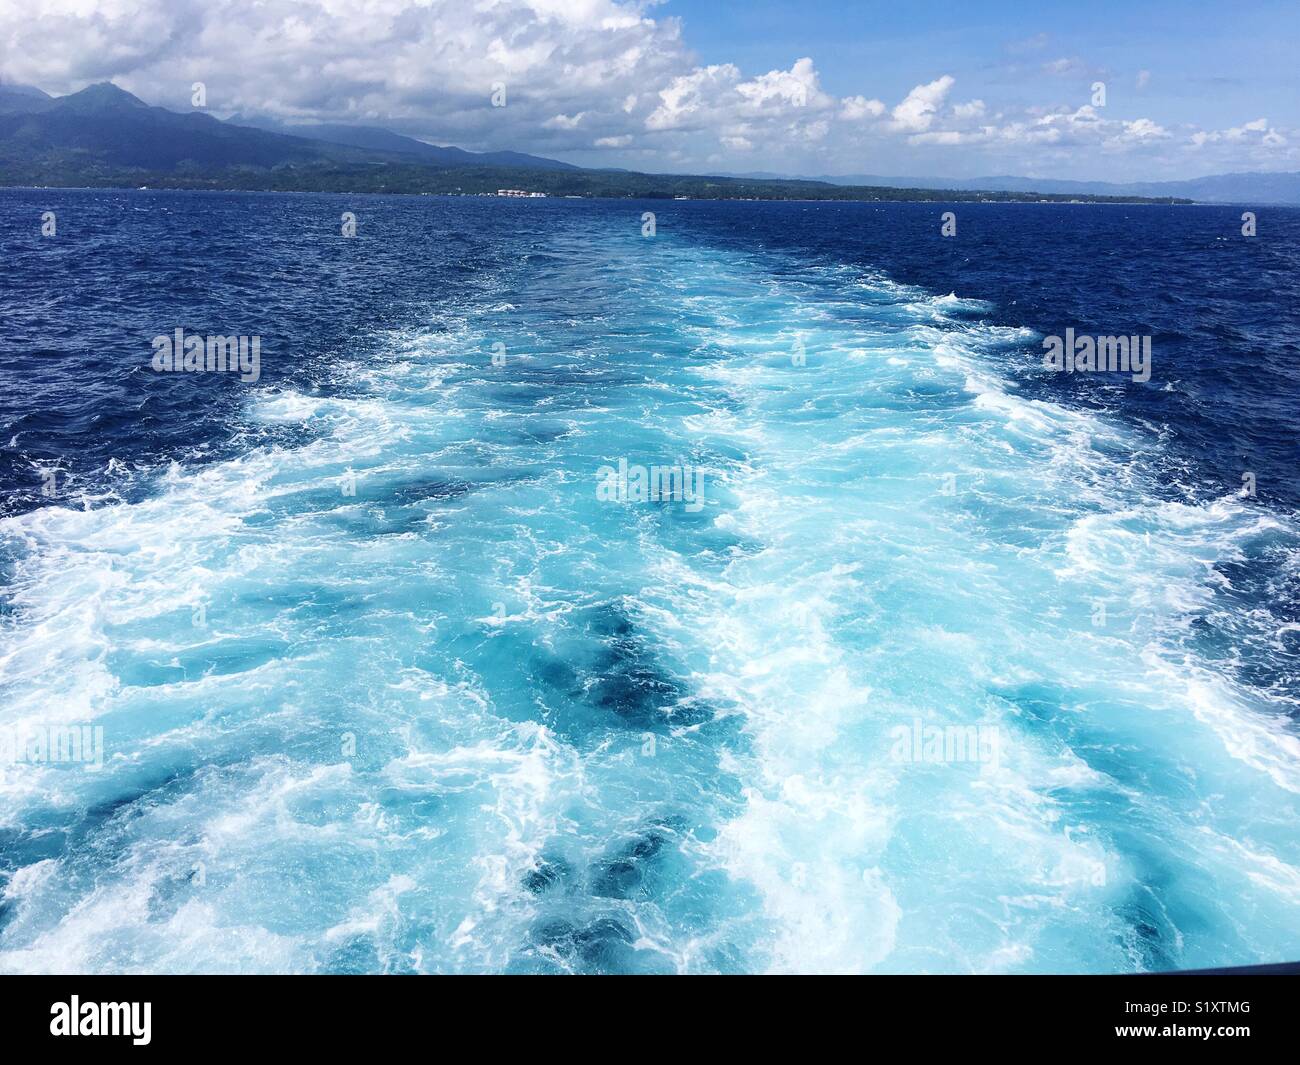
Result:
{"points": [[959, 666]]}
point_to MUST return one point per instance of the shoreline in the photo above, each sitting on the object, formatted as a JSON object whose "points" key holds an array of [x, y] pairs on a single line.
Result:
{"points": [[984, 199]]}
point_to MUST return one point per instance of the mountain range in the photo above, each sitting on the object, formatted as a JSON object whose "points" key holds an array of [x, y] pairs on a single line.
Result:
{"points": [[372, 138], [106, 125]]}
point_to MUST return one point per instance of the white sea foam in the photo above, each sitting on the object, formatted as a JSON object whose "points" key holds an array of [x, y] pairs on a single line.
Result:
{"points": [[368, 718]]}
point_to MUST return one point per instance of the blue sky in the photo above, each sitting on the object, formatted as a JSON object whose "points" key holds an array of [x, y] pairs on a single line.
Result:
{"points": [[1210, 62], [814, 87], [1211, 65]]}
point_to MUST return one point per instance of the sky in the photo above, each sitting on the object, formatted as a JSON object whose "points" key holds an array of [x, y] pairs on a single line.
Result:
{"points": [[1097, 90]]}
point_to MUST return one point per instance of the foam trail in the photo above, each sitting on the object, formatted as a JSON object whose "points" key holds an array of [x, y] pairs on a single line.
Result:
{"points": [[409, 697]]}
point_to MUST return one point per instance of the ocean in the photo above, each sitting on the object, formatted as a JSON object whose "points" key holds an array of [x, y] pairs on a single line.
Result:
{"points": [[586, 586]]}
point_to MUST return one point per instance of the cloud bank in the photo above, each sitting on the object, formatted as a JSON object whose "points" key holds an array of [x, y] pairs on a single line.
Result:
{"points": [[594, 81]]}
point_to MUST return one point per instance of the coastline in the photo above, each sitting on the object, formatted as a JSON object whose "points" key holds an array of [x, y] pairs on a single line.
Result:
{"points": [[935, 196]]}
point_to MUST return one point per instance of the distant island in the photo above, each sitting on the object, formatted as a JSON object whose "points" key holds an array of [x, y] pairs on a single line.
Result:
{"points": [[103, 137]]}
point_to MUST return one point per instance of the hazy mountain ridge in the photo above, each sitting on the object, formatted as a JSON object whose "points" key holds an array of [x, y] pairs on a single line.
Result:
{"points": [[379, 139], [1240, 187]]}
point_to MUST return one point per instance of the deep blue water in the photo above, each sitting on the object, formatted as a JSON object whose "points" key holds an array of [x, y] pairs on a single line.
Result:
{"points": [[386, 685]]}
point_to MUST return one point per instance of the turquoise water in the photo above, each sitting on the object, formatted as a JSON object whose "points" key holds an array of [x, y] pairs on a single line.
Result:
{"points": [[389, 688]]}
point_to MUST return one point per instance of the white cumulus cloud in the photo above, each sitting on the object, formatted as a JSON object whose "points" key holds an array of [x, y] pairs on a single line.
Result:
{"points": [[916, 112], [855, 108]]}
